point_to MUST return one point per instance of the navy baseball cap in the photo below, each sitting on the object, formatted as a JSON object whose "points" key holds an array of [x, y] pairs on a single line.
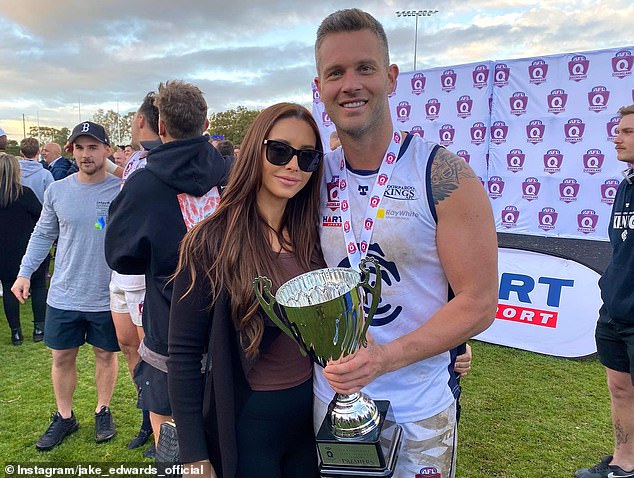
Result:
{"points": [[88, 128]]}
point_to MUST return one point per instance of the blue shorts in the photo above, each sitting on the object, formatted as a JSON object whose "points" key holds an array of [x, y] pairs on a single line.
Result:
{"points": [[615, 344], [68, 329]]}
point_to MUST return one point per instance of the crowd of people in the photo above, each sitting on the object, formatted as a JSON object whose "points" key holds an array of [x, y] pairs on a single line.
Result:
{"points": [[157, 244]]}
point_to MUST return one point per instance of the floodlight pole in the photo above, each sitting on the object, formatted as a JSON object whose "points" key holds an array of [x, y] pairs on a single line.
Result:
{"points": [[416, 14]]}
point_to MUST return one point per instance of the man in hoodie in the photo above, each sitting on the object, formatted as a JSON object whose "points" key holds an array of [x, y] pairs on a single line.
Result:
{"points": [[34, 175], [179, 186]]}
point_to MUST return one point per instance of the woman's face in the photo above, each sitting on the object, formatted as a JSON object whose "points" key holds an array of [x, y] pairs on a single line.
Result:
{"points": [[280, 183]]}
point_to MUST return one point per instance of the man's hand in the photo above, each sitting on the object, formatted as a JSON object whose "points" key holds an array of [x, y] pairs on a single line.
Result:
{"points": [[351, 373], [463, 362], [21, 289]]}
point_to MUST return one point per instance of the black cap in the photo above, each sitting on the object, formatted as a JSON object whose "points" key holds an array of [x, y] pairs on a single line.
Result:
{"points": [[88, 128]]}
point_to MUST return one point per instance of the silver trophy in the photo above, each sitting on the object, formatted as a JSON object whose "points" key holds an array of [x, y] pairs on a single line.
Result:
{"points": [[323, 312]]}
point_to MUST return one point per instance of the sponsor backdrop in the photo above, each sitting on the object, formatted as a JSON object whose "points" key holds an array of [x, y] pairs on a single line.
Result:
{"points": [[538, 132]]}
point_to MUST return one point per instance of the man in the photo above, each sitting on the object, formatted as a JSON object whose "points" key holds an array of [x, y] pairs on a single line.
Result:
{"points": [[157, 205], [58, 165], [615, 327], [75, 212], [438, 238], [3, 140], [34, 175], [129, 150], [127, 292]]}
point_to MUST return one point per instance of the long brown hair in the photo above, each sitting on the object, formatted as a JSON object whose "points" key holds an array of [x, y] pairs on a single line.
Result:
{"points": [[10, 186], [231, 247]]}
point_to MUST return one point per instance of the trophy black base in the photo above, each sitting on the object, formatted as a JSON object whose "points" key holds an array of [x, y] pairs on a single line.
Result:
{"points": [[363, 456]]}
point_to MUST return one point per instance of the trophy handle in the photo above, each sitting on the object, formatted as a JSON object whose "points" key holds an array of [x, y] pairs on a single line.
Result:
{"points": [[375, 290], [268, 301]]}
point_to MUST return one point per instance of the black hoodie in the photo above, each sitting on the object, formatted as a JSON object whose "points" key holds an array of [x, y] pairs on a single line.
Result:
{"points": [[616, 281], [146, 223]]}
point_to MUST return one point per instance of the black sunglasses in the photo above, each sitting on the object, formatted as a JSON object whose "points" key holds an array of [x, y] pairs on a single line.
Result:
{"points": [[279, 154]]}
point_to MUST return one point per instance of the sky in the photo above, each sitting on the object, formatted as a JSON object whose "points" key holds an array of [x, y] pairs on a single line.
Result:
{"points": [[63, 60]]}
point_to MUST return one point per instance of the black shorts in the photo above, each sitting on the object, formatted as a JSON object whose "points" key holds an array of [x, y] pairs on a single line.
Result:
{"points": [[152, 385], [68, 329], [615, 344]]}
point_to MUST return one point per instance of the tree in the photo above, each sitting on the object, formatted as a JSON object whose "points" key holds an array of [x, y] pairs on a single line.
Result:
{"points": [[119, 128], [232, 124], [13, 147], [47, 134]]}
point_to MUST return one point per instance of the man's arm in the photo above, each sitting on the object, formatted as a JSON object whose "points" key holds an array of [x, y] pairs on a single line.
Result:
{"points": [[467, 248]]}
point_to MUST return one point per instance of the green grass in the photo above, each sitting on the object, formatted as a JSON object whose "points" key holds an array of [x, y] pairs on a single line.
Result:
{"points": [[524, 415]]}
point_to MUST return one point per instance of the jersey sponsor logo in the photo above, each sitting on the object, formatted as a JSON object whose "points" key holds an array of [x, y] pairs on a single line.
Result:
{"points": [[332, 221], [399, 192], [332, 187]]}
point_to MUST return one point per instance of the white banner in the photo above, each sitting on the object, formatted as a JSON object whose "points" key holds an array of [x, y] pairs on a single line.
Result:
{"points": [[538, 132], [546, 304]]}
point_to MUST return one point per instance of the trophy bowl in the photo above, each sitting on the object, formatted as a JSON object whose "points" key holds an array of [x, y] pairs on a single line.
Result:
{"points": [[323, 312]]}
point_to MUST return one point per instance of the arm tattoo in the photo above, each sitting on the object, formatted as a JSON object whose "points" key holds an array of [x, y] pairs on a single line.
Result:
{"points": [[447, 170]]}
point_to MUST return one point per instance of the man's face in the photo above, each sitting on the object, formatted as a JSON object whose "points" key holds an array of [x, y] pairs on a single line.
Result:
{"points": [[354, 82], [119, 158], [49, 153], [624, 141], [128, 152], [90, 155]]}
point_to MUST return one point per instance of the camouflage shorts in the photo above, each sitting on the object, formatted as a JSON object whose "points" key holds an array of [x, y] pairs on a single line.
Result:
{"points": [[428, 448]]}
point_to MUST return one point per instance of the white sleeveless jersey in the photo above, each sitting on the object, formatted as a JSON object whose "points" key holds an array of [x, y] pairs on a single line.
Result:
{"points": [[414, 285], [125, 281]]}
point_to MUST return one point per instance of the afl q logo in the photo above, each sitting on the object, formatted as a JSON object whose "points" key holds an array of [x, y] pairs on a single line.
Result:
{"points": [[613, 125], [547, 218], [448, 80], [530, 189], [557, 100], [446, 134], [390, 158], [593, 161], [573, 130], [432, 109], [464, 154], [418, 83], [418, 130], [578, 68], [510, 215], [382, 179], [368, 224], [537, 72], [346, 226], [402, 111], [515, 160], [501, 75], [480, 76], [374, 202], [518, 103], [478, 133], [587, 221], [463, 106], [568, 190], [598, 99], [499, 130], [343, 184], [608, 191], [316, 97], [622, 64], [344, 205], [553, 159], [495, 186], [325, 119], [535, 131], [352, 248]]}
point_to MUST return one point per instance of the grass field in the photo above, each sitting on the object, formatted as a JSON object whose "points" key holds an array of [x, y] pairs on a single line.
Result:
{"points": [[524, 415]]}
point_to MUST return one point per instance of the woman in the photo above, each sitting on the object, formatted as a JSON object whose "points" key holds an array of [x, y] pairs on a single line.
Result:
{"points": [[254, 416], [19, 211]]}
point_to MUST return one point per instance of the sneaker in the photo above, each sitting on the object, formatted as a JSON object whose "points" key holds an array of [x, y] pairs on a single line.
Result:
{"points": [[604, 470], [59, 429], [104, 425], [141, 438], [151, 451]]}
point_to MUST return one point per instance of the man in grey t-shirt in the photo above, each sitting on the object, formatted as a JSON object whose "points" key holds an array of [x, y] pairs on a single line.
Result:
{"points": [[75, 212]]}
